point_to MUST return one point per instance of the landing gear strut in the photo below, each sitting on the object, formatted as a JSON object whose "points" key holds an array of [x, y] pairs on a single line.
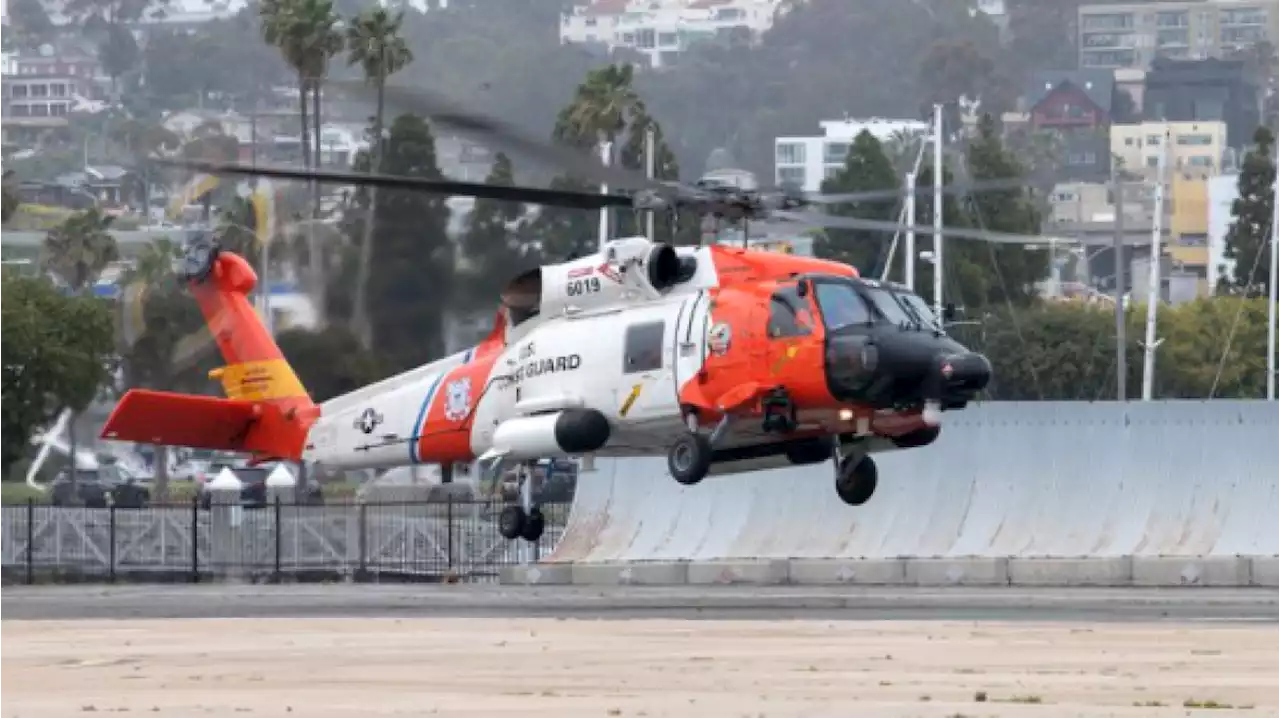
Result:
{"points": [[856, 477], [515, 521]]}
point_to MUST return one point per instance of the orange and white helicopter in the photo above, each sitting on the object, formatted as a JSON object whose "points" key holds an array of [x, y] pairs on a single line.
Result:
{"points": [[723, 359]]}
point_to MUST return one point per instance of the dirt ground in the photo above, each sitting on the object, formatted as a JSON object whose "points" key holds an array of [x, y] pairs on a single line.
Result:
{"points": [[323, 668]]}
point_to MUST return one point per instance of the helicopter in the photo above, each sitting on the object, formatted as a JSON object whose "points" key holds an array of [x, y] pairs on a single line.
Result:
{"points": [[723, 359]]}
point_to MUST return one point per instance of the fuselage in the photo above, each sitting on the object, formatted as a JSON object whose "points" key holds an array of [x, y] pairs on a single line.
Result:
{"points": [[546, 382]]}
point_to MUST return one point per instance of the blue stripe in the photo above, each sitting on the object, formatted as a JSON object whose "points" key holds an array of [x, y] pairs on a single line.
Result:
{"points": [[422, 414]]}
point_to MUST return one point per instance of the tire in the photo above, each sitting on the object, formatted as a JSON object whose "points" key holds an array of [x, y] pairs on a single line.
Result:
{"points": [[918, 438], [856, 481], [511, 522], [811, 452], [689, 459], [534, 525]]}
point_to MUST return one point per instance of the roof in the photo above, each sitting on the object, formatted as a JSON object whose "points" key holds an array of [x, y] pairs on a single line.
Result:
{"points": [[1098, 85]]}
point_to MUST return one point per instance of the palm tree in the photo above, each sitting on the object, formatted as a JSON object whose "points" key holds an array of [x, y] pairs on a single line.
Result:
{"points": [[282, 28], [605, 106], [374, 42], [77, 251], [306, 31]]}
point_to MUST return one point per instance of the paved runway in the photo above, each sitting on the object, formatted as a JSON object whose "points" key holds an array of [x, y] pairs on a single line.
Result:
{"points": [[688, 602]]}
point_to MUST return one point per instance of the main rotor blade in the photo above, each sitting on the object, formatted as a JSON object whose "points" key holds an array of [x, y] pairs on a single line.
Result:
{"points": [[966, 188], [446, 113], [823, 220], [530, 195]]}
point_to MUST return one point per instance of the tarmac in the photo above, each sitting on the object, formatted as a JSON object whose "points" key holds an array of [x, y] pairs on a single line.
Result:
{"points": [[377, 650]]}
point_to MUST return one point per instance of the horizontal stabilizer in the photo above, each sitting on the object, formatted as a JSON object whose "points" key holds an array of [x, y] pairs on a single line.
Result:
{"points": [[206, 422]]}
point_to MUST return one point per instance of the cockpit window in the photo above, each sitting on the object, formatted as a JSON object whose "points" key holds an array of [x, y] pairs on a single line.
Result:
{"points": [[922, 311], [841, 305], [789, 315], [889, 307]]}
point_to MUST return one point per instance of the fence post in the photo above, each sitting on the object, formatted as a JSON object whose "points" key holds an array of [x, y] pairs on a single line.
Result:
{"points": [[362, 541], [111, 543], [278, 535], [195, 539], [31, 541], [448, 535]]}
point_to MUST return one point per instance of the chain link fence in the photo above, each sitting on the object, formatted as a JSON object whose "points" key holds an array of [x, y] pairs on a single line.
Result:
{"points": [[446, 540]]}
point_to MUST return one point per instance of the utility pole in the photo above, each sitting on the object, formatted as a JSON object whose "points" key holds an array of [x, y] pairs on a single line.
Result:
{"points": [[606, 149], [909, 260], [1118, 247], [264, 257], [1271, 289], [937, 212], [651, 171], [1149, 342]]}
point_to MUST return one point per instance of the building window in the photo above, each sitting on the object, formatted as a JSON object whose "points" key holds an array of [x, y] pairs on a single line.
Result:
{"points": [[1200, 161], [1109, 58], [1081, 158], [835, 153], [668, 39], [1153, 140], [1128, 142], [1153, 161], [1108, 21], [1195, 140], [19, 91], [791, 176], [830, 171], [1171, 37], [790, 153], [645, 39], [1193, 240], [1243, 16], [1172, 19]]}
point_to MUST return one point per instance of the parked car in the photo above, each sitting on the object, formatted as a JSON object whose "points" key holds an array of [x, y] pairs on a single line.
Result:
{"points": [[109, 485]]}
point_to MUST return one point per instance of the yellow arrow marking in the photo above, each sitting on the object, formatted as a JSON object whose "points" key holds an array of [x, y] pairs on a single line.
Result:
{"points": [[631, 399]]}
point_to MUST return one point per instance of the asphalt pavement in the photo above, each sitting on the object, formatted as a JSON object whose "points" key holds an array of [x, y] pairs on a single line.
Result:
{"points": [[621, 602]]}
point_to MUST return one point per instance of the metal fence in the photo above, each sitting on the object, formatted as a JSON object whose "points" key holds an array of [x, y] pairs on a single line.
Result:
{"points": [[447, 540]]}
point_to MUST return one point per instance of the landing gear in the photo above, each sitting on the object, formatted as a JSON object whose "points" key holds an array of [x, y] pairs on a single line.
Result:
{"points": [[689, 458], [856, 477], [514, 523]]}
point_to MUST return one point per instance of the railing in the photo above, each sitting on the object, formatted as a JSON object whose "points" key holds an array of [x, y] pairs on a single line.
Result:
{"points": [[447, 540]]}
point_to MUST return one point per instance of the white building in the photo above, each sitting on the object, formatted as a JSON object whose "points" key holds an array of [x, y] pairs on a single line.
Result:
{"points": [[662, 29], [807, 161], [1223, 191]]}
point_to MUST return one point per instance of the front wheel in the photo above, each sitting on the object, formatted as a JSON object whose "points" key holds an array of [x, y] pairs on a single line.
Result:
{"points": [[689, 459], [534, 525], [856, 481]]}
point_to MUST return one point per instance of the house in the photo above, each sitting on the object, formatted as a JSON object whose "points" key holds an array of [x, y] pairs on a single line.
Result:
{"points": [[1077, 105]]}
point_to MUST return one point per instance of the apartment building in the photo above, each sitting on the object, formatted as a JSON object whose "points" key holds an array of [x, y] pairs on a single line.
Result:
{"points": [[662, 29], [805, 162], [1134, 34], [1195, 149]]}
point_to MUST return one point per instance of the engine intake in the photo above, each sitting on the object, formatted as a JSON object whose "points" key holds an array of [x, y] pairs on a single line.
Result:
{"points": [[662, 267]]}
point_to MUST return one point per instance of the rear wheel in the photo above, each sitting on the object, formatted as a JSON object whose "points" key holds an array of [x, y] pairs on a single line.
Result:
{"points": [[917, 438], [511, 522], [534, 525], [689, 459]]}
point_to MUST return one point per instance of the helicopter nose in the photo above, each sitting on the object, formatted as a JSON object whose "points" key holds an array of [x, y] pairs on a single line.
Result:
{"points": [[965, 373]]}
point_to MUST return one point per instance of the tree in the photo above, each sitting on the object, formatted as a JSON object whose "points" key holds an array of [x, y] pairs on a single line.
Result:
{"points": [[866, 168], [492, 247], [306, 33], [31, 23], [413, 259], [79, 249], [952, 69], [1248, 238], [329, 362], [57, 354], [11, 200], [119, 54], [223, 63], [163, 341], [374, 42], [1016, 269]]}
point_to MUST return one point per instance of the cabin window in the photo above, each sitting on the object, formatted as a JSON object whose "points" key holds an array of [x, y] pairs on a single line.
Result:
{"points": [[642, 348], [789, 315]]}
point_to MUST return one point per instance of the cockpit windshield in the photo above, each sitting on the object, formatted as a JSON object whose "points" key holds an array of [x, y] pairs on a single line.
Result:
{"points": [[888, 305], [922, 311], [841, 305]]}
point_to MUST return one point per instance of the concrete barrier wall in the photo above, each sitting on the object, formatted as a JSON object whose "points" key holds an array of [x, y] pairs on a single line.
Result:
{"points": [[1032, 493]]}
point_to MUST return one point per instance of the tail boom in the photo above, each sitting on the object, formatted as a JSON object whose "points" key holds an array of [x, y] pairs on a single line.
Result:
{"points": [[267, 413]]}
